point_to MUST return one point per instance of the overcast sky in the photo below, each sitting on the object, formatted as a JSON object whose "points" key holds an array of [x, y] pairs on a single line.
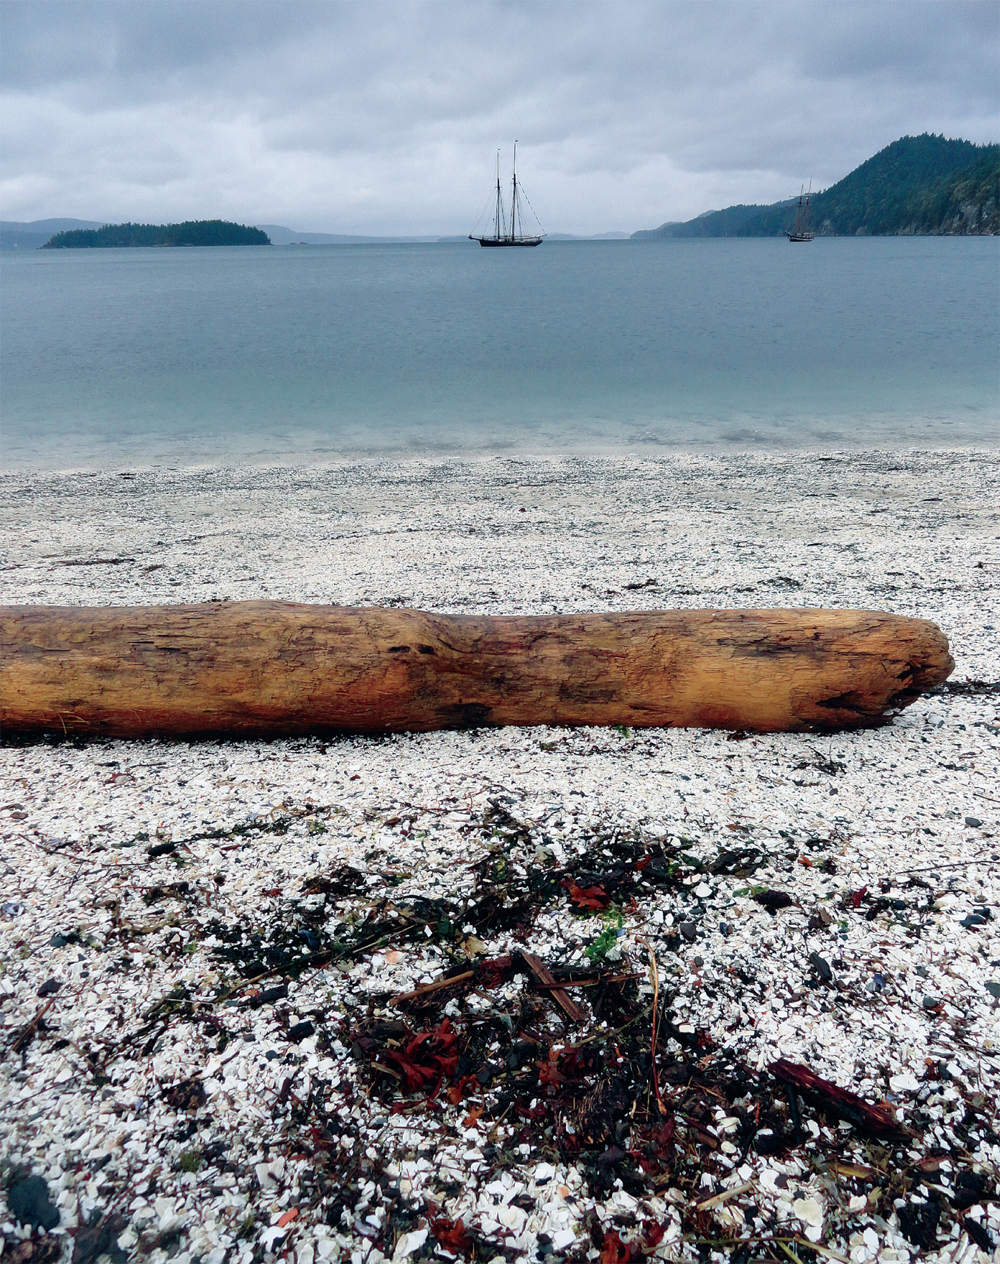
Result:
{"points": [[374, 117]]}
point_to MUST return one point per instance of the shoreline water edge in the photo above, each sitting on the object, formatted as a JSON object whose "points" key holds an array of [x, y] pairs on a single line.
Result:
{"points": [[562, 994]]}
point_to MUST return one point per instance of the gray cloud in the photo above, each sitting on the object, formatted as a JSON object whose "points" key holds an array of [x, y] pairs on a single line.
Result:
{"points": [[384, 117]]}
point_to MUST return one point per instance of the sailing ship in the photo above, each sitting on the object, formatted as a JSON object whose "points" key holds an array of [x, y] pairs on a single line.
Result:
{"points": [[800, 229], [509, 231]]}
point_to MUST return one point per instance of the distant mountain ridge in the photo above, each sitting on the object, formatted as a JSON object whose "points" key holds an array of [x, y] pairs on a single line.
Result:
{"points": [[30, 235], [35, 234], [918, 185], [281, 235]]}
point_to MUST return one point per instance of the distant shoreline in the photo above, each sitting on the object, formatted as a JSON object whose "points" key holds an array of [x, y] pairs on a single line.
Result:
{"points": [[24, 243]]}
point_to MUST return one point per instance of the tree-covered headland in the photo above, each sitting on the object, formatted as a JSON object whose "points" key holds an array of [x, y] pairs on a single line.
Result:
{"points": [[918, 185], [198, 232]]}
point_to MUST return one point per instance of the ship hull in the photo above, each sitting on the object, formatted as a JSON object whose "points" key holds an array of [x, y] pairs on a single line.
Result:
{"points": [[505, 241], [800, 236]]}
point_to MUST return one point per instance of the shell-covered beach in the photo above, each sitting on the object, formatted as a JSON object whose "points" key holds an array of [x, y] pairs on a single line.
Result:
{"points": [[516, 993]]}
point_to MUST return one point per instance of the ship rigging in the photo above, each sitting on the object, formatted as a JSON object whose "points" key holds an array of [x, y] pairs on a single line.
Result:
{"points": [[800, 229], [509, 230]]}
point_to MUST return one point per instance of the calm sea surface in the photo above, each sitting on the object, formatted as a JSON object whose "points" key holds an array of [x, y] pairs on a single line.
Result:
{"points": [[120, 357]]}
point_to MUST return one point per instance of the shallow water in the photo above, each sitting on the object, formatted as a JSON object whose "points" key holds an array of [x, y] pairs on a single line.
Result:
{"points": [[115, 357]]}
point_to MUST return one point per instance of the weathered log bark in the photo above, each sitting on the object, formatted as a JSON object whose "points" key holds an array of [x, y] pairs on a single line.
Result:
{"points": [[268, 668]]}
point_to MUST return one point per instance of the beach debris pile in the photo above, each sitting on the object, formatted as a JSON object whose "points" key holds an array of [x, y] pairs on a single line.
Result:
{"points": [[550, 1049]]}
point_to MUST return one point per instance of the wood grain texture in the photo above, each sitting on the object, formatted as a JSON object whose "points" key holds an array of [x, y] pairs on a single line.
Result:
{"points": [[268, 668]]}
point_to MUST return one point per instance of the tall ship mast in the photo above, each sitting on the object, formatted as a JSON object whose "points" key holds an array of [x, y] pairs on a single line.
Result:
{"points": [[509, 231], [800, 229]]}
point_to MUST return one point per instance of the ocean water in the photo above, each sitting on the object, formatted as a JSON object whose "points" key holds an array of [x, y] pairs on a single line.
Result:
{"points": [[113, 358]]}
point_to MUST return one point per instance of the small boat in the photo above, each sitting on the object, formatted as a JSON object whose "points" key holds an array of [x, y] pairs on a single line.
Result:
{"points": [[510, 232], [800, 229]]}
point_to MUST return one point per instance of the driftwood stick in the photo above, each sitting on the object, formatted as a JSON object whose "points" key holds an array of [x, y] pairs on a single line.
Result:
{"points": [[543, 976], [429, 988], [879, 1118], [269, 669]]}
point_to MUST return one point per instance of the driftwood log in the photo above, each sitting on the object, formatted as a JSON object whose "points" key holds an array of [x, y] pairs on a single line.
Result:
{"points": [[269, 669]]}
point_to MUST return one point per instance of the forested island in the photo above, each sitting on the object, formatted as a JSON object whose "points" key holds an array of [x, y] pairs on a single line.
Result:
{"points": [[198, 232], [919, 185]]}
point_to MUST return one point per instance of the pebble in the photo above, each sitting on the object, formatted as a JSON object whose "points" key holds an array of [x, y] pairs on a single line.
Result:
{"points": [[821, 966], [30, 1203]]}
